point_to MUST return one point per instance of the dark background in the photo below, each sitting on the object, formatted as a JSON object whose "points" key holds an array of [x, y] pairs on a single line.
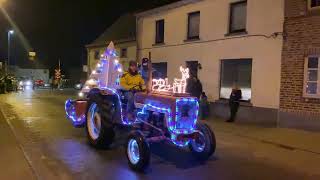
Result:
{"points": [[60, 28]]}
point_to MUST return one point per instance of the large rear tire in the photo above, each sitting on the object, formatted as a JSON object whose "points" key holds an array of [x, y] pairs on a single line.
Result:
{"points": [[137, 151], [205, 145], [99, 127]]}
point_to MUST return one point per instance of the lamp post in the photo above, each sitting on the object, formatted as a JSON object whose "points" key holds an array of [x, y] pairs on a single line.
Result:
{"points": [[10, 32]]}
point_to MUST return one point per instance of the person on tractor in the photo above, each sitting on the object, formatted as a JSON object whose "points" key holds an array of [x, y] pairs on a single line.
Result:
{"points": [[131, 81]]}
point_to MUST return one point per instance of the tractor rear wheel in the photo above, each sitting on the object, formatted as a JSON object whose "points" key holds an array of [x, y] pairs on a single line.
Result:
{"points": [[99, 127]]}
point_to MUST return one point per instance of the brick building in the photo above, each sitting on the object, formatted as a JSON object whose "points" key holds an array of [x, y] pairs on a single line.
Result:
{"points": [[300, 85]]}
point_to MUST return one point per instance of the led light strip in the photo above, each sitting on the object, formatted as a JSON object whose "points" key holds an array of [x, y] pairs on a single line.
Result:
{"points": [[69, 106]]}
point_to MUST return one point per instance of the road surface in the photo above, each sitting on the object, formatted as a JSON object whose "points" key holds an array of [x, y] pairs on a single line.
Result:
{"points": [[54, 149]]}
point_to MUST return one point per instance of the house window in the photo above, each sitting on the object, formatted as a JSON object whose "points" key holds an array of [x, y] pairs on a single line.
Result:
{"points": [[193, 67], [159, 70], [97, 54], [314, 4], [160, 31], [311, 77], [193, 25], [238, 17], [123, 53], [236, 72]]}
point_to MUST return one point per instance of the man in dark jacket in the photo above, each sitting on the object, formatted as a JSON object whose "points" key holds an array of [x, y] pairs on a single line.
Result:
{"points": [[194, 86], [234, 102]]}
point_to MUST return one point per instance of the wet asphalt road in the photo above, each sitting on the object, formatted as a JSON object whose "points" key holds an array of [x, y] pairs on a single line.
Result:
{"points": [[56, 150]]}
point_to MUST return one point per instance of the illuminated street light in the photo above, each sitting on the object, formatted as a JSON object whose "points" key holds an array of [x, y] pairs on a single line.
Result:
{"points": [[10, 32]]}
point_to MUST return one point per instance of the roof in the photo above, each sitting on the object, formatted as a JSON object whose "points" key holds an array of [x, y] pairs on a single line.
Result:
{"points": [[122, 30], [166, 7]]}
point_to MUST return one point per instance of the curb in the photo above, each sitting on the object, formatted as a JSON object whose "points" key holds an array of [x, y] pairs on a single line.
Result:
{"points": [[241, 133]]}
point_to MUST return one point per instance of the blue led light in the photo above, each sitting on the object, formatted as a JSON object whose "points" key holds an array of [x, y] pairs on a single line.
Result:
{"points": [[172, 124], [71, 114], [125, 122], [192, 102]]}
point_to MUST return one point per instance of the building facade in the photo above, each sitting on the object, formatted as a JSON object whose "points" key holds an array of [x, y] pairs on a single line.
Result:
{"points": [[300, 90], [123, 34], [224, 43], [32, 74]]}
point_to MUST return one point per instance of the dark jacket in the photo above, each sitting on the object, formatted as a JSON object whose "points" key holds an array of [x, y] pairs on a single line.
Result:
{"points": [[194, 87], [235, 96]]}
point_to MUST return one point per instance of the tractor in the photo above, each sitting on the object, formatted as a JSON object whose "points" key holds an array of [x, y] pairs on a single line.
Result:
{"points": [[162, 113]]}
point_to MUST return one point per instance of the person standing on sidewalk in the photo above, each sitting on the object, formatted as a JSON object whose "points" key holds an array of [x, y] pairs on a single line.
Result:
{"points": [[194, 86], [204, 106], [234, 102]]}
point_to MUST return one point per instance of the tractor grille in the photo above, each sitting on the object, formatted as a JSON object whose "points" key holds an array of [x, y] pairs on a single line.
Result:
{"points": [[187, 110]]}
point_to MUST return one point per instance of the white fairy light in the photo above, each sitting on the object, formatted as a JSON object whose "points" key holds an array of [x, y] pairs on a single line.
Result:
{"points": [[91, 81], [81, 94]]}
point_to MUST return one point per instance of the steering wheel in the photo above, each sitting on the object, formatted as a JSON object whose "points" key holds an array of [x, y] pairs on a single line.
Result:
{"points": [[135, 89]]}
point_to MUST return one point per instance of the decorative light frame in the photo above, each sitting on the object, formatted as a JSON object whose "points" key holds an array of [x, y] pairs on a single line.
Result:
{"points": [[171, 124], [178, 87]]}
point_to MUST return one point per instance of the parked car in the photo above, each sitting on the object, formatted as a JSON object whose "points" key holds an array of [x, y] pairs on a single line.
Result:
{"points": [[39, 83], [25, 84], [78, 86]]}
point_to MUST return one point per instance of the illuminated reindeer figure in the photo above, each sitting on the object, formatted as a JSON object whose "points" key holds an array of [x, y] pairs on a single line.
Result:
{"points": [[179, 85]]}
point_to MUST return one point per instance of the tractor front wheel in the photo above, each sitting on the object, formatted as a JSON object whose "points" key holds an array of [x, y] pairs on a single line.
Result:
{"points": [[203, 146], [137, 151]]}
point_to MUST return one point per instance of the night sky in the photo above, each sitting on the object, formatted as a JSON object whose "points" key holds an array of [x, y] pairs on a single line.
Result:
{"points": [[61, 28]]}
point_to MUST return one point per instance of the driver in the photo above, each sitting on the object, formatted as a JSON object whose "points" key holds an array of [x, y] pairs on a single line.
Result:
{"points": [[131, 81]]}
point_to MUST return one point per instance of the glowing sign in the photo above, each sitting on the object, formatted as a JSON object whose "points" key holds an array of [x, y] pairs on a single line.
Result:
{"points": [[179, 85], [161, 85]]}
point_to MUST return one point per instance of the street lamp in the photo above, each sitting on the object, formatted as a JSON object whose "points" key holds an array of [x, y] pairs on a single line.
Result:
{"points": [[10, 32]]}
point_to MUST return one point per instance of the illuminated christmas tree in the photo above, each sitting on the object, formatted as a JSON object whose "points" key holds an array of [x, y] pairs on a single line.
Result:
{"points": [[107, 72]]}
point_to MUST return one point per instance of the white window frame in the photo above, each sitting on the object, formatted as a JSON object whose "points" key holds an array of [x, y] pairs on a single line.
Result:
{"points": [[306, 70], [312, 8]]}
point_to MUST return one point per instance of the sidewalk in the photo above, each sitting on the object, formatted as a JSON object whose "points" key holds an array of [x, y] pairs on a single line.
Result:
{"points": [[13, 164], [286, 138]]}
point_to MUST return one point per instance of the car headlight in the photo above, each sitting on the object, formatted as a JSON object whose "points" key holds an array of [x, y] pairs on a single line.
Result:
{"points": [[21, 83], [28, 83]]}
